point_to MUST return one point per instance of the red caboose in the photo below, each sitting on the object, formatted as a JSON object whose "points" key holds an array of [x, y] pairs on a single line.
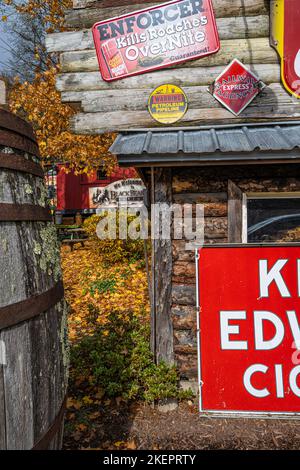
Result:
{"points": [[72, 194]]}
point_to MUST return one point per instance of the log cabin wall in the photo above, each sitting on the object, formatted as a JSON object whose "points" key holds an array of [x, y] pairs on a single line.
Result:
{"points": [[244, 30], [211, 186]]}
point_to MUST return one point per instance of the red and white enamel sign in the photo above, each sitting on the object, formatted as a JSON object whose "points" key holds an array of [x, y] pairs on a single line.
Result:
{"points": [[155, 37], [285, 18], [236, 87], [249, 358]]}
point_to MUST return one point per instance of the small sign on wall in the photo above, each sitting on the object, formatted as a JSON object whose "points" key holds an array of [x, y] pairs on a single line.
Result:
{"points": [[249, 323], [236, 87], [168, 104], [156, 37]]}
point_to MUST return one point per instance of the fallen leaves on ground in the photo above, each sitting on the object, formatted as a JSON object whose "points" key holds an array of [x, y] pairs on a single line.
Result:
{"points": [[93, 290]]}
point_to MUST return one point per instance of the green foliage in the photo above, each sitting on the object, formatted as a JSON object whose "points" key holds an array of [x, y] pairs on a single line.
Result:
{"points": [[117, 358], [102, 285], [114, 251]]}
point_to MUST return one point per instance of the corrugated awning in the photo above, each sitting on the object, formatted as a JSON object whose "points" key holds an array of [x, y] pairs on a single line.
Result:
{"points": [[251, 142]]}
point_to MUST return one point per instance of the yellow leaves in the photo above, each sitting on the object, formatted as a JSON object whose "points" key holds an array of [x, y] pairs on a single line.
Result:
{"points": [[73, 404], [82, 269], [123, 445], [41, 104], [87, 400], [4, 18]]}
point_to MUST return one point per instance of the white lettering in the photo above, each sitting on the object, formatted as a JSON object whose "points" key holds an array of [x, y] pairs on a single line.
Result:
{"points": [[260, 343], [274, 275], [263, 393], [227, 330]]}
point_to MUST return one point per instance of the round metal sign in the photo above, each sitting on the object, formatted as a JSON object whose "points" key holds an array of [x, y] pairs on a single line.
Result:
{"points": [[167, 104]]}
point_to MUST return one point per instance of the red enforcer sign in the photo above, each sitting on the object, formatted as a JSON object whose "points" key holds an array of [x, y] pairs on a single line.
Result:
{"points": [[155, 37], [249, 339]]}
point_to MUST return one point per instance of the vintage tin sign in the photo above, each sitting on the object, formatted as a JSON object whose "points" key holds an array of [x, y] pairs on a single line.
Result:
{"points": [[236, 87], [168, 104], [155, 37], [249, 330], [285, 38]]}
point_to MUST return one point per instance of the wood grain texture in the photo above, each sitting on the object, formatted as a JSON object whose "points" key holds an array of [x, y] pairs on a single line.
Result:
{"points": [[97, 123], [253, 50], [162, 255], [198, 98], [221, 7], [33, 381], [85, 17], [269, 73], [235, 213], [228, 28]]}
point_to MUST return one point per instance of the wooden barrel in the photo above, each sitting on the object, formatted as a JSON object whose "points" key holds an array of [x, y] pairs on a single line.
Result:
{"points": [[33, 325]]}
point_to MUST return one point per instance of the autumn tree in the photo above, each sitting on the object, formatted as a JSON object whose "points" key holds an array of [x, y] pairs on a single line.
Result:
{"points": [[34, 96]]}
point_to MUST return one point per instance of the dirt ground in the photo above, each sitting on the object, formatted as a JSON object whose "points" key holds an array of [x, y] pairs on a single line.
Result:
{"points": [[143, 427]]}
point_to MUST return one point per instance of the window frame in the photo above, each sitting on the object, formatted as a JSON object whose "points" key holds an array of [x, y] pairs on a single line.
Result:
{"points": [[261, 195]]}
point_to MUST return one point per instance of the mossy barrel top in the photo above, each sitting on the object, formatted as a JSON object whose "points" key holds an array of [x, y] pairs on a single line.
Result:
{"points": [[33, 332]]}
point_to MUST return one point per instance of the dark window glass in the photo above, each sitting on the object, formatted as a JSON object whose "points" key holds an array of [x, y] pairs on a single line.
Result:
{"points": [[101, 175], [273, 220]]}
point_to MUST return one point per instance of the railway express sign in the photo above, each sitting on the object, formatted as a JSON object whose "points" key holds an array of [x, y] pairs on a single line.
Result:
{"points": [[155, 37], [249, 330]]}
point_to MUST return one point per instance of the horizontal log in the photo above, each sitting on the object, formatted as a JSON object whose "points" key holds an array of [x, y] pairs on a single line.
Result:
{"points": [[254, 50], [185, 338], [229, 28], [184, 317], [186, 360], [269, 73], [184, 269], [221, 7], [190, 181], [200, 198], [180, 252], [97, 123], [198, 98], [86, 17], [184, 295]]}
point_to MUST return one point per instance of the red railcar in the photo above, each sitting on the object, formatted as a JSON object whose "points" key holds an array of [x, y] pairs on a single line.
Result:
{"points": [[72, 194]]}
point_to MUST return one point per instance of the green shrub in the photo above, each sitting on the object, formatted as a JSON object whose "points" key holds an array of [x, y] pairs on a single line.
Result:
{"points": [[118, 359]]}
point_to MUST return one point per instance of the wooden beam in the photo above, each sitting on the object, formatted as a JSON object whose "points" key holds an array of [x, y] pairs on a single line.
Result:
{"points": [[269, 73], [97, 123], [198, 98], [229, 28], [221, 7], [254, 50], [83, 16]]}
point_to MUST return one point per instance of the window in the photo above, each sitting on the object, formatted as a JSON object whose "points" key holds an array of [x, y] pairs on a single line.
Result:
{"points": [[271, 219], [101, 175]]}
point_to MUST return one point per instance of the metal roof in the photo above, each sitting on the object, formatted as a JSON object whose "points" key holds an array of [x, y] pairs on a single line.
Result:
{"points": [[268, 141]]}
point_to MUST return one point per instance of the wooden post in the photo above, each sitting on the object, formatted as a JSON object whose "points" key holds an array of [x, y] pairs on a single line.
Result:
{"points": [[162, 326], [235, 213]]}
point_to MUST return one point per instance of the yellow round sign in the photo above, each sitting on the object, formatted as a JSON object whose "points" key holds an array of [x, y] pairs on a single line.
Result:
{"points": [[167, 104]]}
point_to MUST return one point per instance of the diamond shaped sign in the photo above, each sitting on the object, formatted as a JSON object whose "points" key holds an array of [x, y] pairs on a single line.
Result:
{"points": [[236, 87]]}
